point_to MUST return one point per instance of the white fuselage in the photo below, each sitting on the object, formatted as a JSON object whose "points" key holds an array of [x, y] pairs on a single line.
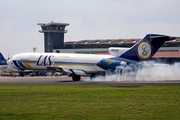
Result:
{"points": [[83, 63]]}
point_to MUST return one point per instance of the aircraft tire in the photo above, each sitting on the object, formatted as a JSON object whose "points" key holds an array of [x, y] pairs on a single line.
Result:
{"points": [[21, 74], [76, 77]]}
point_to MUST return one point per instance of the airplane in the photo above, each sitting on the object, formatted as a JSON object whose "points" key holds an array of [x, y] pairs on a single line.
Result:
{"points": [[90, 64], [4, 66]]}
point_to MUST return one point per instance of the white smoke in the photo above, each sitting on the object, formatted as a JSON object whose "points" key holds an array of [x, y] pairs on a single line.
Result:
{"points": [[160, 72], [144, 71]]}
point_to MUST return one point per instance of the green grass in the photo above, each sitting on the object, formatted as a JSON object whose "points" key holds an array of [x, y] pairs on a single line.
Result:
{"points": [[89, 102]]}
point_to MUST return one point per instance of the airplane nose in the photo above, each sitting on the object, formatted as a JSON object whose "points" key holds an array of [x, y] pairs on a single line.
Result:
{"points": [[10, 63]]}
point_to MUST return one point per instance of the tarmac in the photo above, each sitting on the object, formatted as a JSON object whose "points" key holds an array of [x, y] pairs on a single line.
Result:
{"points": [[85, 81]]}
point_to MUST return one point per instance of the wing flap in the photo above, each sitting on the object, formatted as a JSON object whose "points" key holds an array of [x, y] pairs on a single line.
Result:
{"points": [[67, 70], [79, 72]]}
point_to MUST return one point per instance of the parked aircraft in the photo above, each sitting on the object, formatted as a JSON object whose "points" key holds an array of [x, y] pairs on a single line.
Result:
{"points": [[90, 64], [4, 66]]}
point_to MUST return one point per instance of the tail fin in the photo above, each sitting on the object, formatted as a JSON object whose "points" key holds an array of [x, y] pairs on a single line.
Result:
{"points": [[2, 60], [146, 48]]}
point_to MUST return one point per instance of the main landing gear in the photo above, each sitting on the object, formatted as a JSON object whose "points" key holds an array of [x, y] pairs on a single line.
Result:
{"points": [[21, 74], [76, 77]]}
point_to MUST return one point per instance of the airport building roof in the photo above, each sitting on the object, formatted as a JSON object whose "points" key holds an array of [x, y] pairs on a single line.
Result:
{"points": [[82, 42], [130, 41], [160, 54], [117, 41], [106, 41], [69, 43], [111, 41], [167, 54]]}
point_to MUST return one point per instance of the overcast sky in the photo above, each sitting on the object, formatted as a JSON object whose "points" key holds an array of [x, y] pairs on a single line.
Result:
{"points": [[88, 19]]}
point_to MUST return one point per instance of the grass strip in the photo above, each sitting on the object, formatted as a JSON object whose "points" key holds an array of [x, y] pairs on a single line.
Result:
{"points": [[89, 102]]}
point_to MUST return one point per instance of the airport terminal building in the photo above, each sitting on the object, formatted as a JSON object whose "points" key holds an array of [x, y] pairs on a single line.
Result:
{"points": [[54, 42]]}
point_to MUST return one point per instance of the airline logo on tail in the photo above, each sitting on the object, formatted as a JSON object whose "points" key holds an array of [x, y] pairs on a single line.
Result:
{"points": [[145, 50]]}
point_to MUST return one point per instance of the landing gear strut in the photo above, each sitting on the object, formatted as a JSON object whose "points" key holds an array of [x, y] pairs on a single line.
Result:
{"points": [[21, 74], [76, 77]]}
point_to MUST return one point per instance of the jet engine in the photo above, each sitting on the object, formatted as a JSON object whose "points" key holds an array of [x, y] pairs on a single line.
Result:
{"points": [[111, 64]]}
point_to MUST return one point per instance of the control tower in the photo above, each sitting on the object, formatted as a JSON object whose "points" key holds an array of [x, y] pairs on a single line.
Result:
{"points": [[53, 35]]}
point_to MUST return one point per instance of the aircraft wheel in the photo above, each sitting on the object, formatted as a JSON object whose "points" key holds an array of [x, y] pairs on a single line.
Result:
{"points": [[21, 74], [76, 77]]}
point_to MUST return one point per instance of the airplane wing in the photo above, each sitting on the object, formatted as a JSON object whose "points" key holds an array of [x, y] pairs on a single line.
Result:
{"points": [[67, 70], [3, 66]]}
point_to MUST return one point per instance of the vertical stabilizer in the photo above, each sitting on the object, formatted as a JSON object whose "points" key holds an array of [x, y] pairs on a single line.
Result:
{"points": [[146, 48], [2, 60]]}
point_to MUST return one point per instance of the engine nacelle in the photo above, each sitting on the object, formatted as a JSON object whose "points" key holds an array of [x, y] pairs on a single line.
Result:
{"points": [[111, 64], [117, 51]]}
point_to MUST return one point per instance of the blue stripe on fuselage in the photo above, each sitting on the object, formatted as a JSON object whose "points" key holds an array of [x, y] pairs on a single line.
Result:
{"points": [[22, 66], [15, 63], [72, 63], [19, 64]]}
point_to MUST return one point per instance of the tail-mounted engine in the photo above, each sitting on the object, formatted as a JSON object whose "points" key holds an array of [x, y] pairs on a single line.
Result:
{"points": [[111, 64]]}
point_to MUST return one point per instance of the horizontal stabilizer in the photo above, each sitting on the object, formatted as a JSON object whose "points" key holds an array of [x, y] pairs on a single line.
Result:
{"points": [[170, 37], [2, 60]]}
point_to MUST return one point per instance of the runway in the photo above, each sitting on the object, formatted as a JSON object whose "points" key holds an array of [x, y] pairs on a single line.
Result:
{"points": [[64, 80]]}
